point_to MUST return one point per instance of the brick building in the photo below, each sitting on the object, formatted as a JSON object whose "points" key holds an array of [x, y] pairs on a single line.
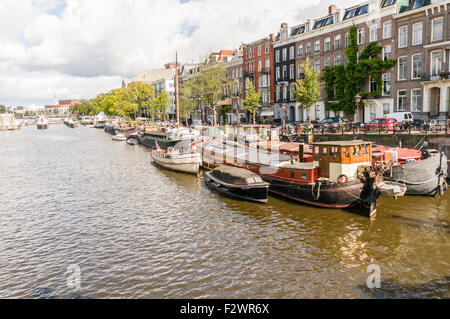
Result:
{"points": [[258, 68], [415, 32]]}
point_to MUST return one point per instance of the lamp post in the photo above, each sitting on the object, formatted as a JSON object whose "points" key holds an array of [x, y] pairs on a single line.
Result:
{"points": [[358, 101]]}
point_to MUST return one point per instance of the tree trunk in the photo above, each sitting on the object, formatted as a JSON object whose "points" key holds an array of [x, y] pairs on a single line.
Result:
{"points": [[215, 117], [254, 118]]}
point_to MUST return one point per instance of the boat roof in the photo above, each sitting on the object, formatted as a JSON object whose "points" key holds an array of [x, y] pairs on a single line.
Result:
{"points": [[235, 171], [343, 143]]}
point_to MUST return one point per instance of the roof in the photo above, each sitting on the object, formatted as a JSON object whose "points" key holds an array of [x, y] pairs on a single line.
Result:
{"points": [[342, 143], [152, 75]]}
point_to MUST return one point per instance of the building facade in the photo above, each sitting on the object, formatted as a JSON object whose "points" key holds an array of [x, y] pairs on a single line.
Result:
{"points": [[235, 93], [258, 68], [414, 32]]}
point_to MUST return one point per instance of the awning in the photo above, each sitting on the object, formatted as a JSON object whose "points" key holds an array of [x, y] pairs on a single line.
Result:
{"points": [[267, 113], [225, 102]]}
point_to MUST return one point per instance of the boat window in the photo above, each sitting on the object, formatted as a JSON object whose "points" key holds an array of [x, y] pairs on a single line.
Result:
{"points": [[365, 149], [356, 151], [316, 150], [325, 151], [346, 152], [304, 176], [258, 179], [292, 175]]}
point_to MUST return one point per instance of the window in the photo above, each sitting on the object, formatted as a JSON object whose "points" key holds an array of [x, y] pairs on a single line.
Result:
{"points": [[416, 100], [373, 85], [437, 29], [337, 42], [300, 50], [402, 68], [417, 34], [361, 36], [308, 48], [347, 39], [267, 48], [277, 72], [416, 66], [401, 100], [386, 108], [403, 37], [292, 71], [436, 63], [284, 92], [259, 50], [373, 33], [317, 46], [327, 44], [250, 53], [284, 54], [267, 63], [387, 30], [386, 84], [316, 65], [327, 62], [277, 56], [373, 111], [291, 92], [300, 72], [259, 65], [277, 93], [285, 75], [292, 52], [386, 52], [337, 60]]}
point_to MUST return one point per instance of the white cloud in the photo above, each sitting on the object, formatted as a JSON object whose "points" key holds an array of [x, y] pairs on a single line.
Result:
{"points": [[79, 48]]}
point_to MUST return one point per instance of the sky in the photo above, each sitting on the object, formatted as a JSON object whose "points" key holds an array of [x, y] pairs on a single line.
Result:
{"points": [[76, 49]]}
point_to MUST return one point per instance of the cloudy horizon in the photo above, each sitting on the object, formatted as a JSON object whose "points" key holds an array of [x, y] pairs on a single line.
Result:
{"points": [[75, 49]]}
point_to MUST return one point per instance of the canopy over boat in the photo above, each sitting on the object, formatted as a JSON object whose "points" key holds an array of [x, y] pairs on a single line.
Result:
{"points": [[101, 117]]}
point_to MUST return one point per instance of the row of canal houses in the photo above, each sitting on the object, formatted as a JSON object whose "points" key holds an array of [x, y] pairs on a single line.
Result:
{"points": [[414, 32]]}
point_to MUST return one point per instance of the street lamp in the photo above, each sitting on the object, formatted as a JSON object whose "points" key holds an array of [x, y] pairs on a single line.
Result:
{"points": [[358, 101]]}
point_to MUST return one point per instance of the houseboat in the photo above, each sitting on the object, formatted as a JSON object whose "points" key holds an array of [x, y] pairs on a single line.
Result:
{"points": [[177, 160], [336, 175], [42, 123]]}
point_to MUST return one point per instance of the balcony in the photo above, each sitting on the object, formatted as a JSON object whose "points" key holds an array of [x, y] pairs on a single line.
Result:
{"points": [[430, 78], [265, 71], [249, 74]]}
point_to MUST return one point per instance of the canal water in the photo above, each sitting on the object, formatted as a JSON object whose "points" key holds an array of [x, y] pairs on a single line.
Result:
{"points": [[82, 216]]}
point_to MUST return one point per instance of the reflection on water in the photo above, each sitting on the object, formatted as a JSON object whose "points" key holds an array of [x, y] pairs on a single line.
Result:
{"points": [[74, 197]]}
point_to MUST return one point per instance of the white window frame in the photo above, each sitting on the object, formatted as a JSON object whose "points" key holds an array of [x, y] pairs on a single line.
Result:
{"points": [[414, 33], [316, 45], [413, 109], [336, 39], [277, 56], [292, 71], [284, 54], [398, 100], [277, 73], [432, 29], [361, 36], [398, 69], [384, 93], [412, 66], [336, 59], [374, 33], [292, 52], [259, 65], [386, 34], [431, 62], [327, 41], [317, 65], [300, 50], [384, 52], [267, 48], [259, 50], [400, 45]]}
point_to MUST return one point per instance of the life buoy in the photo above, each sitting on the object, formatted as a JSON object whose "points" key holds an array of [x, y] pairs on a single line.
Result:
{"points": [[342, 179]]}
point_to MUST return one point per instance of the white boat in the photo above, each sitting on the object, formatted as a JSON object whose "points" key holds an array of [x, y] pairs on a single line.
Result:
{"points": [[178, 160], [119, 137], [42, 123]]}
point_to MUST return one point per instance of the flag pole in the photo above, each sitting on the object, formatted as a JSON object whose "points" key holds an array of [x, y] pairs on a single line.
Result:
{"points": [[177, 97]]}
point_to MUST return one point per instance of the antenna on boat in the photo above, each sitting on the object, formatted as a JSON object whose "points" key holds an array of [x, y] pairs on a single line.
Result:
{"points": [[177, 98]]}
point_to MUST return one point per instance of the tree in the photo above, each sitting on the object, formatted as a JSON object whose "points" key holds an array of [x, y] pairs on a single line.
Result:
{"points": [[2, 109], [210, 83], [308, 91], [187, 99], [251, 103], [162, 103], [343, 83], [141, 94]]}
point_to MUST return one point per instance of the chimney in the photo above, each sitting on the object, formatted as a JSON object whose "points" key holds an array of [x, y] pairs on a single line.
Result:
{"points": [[301, 152], [284, 25], [272, 37], [331, 9]]}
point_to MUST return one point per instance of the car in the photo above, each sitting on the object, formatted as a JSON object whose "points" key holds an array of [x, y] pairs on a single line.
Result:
{"points": [[401, 117], [386, 125], [331, 121]]}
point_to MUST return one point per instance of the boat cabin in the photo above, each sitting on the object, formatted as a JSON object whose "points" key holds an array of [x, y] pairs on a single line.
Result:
{"points": [[341, 158]]}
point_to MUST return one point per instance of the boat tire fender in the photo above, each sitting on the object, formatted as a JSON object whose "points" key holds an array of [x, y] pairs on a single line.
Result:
{"points": [[342, 179]]}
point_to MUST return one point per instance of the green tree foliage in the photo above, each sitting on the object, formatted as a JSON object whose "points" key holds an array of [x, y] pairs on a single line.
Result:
{"points": [[251, 103], [162, 102], [308, 91], [343, 83], [2, 109], [210, 84], [187, 98]]}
